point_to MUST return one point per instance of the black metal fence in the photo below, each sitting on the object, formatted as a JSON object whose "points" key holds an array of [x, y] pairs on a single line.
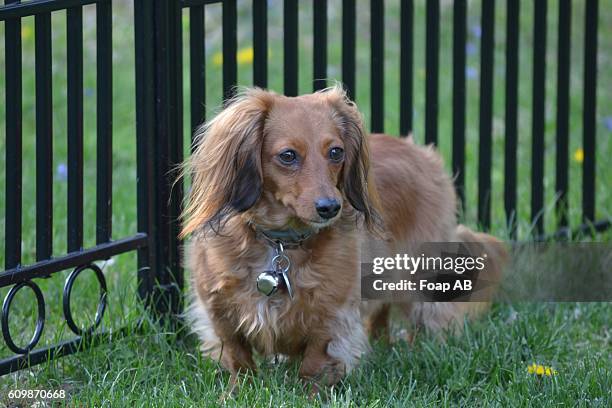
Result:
{"points": [[159, 126]]}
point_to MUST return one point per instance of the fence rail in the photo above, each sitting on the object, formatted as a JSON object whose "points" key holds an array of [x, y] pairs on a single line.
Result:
{"points": [[159, 124]]}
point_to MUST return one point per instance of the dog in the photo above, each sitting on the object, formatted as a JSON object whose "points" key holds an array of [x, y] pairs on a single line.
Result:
{"points": [[284, 191]]}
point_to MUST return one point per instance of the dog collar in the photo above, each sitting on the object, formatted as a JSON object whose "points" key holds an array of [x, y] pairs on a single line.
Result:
{"points": [[289, 238]]}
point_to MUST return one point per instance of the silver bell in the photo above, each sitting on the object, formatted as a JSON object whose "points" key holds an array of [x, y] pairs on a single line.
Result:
{"points": [[267, 283]]}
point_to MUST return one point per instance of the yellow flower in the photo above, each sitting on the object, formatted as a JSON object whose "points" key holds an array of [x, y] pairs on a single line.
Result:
{"points": [[538, 369], [579, 155], [26, 32], [243, 56], [217, 58]]}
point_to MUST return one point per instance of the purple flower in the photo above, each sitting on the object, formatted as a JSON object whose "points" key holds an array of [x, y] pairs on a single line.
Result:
{"points": [[476, 31], [608, 123], [471, 48], [62, 172], [471, 72]]}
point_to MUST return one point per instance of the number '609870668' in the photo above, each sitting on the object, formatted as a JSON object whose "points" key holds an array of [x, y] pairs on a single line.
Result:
{"points": [[37, 394]]}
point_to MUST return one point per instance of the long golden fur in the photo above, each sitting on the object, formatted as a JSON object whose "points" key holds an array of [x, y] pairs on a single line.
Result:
{"points": [[387, 187]]}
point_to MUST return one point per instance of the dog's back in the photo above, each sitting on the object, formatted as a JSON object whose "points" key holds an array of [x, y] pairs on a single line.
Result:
{"points": [[416, 193]]}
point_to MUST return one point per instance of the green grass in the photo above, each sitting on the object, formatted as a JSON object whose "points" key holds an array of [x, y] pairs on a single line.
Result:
{"points": [[487, 365]]}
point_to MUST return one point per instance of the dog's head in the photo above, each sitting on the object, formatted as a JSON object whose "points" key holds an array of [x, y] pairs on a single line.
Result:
{"points": [[288, 162]]}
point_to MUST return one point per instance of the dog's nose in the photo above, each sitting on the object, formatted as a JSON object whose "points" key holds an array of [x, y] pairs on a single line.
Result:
{"points": [[327, 207]]}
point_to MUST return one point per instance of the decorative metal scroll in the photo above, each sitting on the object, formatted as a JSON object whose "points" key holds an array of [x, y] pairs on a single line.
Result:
{"points": [[40, 320], [101, 302]]}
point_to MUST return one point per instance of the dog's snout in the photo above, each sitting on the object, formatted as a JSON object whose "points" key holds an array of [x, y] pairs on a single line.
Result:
{"points": [[327, 207]]}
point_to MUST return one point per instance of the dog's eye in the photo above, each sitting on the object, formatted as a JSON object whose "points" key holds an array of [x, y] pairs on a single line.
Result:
{"points": [[336, 154], [287, 157]]}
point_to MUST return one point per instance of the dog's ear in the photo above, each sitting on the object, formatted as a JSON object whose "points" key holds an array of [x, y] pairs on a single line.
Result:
{"points": [[225, 166], [357, 184]]}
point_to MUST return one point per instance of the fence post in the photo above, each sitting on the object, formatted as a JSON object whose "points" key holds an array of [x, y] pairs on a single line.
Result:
{"points": [[159, 138]]}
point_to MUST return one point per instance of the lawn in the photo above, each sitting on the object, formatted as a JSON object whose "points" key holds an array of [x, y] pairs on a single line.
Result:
{"points": [[489, 363]]}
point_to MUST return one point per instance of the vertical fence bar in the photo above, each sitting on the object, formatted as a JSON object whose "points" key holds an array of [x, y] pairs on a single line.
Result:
{"points": [[348, 46], [260, 43], [74, 17], [486, 113], [176, 152], [563, 84], [320, 44], [589, 110], [44, 138], [197, 67], [377, 61], [538, 119], [104, 184], [432, 39], [290, 45], [145, 144], [459, 33], [168, 143], [13, 141], [511, 112], [406, 65], [230, 47]]}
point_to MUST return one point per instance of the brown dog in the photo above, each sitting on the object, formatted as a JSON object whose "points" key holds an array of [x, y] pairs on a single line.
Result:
{"points": [[271, 169]]}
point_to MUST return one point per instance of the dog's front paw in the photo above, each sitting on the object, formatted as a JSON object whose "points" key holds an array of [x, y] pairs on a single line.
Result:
{"points": [[323, 370]]}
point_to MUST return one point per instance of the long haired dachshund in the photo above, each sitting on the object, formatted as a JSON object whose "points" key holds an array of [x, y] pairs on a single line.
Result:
{"points": [[284, 192]]}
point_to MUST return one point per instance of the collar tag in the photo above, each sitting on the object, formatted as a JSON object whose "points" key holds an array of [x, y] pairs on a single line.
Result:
{"points": [[268, 282]]}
